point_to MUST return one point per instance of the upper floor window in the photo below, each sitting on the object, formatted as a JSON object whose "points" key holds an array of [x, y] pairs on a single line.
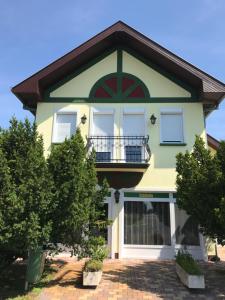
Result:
{"points": [[133, 122], [64, 126], [133, 131], [102, 131], [103, 123], [172, 126]]}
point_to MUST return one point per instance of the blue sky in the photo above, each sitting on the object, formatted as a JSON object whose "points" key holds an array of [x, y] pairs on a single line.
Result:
{"points": [[35, 33]]}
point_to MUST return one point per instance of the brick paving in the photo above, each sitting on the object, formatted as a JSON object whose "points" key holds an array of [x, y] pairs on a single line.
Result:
{"points": [[134, 279]]}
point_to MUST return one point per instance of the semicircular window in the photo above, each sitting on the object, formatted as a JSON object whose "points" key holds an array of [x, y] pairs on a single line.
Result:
{"points": [[119, 88]]}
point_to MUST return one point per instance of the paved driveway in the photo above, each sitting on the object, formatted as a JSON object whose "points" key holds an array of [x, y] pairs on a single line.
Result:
{"points": [[134, 279]]}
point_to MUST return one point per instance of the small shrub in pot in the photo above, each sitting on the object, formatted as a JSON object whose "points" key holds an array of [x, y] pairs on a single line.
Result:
{"points": [[188, 271]]}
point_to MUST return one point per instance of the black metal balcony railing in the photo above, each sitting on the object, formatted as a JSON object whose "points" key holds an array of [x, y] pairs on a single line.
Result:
{"points": [[120, 149]]}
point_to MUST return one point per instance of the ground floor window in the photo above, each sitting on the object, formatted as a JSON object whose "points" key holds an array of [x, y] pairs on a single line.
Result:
{"points": [[146, 223], [187, 232]]}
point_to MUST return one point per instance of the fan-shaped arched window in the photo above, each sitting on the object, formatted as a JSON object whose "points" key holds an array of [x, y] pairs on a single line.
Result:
{"points": [[119, 87]]}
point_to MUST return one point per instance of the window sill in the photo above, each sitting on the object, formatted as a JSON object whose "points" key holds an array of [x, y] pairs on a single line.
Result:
{"points": [[172, 144]]}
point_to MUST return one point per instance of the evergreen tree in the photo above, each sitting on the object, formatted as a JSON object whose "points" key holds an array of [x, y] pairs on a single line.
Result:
{"points": [[79, 202], [25, 188], [200, 188]]}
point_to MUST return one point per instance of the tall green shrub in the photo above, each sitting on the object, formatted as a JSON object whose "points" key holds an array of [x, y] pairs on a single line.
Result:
{"points": [[201, 189], [25, 188], [79, 201]]}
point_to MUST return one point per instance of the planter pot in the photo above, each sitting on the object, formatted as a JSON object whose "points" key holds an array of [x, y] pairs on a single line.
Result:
{"points": [[191, 281], [35, 265], [91, 278]]}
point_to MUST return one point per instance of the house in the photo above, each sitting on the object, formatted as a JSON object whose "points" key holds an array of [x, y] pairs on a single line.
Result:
{"points": [[213, 144], [138, 105]]}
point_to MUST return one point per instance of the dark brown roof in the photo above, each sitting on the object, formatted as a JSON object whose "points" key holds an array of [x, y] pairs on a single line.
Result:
{"points": [[30, 90], [212, 142]]}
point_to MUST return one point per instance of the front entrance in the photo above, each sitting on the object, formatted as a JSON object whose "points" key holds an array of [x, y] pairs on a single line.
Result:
{"points": [[146, 231], [151, 228]]}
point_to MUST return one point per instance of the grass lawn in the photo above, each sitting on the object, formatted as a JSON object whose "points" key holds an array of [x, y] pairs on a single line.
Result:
{"points": [[12, 281]]}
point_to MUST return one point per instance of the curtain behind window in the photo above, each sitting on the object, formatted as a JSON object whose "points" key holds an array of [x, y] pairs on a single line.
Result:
{"points": [[146, 223]]}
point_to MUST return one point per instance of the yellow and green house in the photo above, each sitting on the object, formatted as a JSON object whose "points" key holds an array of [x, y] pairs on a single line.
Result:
{"points": [[138, 105]]}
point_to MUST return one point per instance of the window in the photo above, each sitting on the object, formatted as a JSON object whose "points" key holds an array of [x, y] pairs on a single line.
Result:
{"points": [[146, 223], [64, 127], [133, 129], [186, 229], [103, 124], [133, 124], [133, 153], [172, 127]]}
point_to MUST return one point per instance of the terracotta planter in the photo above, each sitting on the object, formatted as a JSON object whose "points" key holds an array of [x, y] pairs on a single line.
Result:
{"points": [[92, 278], [191, 281]]}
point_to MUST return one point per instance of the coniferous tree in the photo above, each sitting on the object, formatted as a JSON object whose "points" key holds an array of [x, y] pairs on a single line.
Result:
{"points": [[200, 188], [8, 202], [79, 202], [27, 202]]}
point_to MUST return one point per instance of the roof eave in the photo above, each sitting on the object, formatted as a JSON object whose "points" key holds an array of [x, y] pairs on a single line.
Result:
{"points": [[32, 87]]}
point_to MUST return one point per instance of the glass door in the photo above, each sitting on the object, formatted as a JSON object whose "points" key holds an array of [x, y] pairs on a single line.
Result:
{"points": [[146, 223]]}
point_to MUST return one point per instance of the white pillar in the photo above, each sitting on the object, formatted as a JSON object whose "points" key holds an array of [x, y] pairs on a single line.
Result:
{"points": [[172, 224]]}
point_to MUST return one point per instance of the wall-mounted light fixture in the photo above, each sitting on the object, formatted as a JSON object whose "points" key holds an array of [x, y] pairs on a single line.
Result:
{"points": [[83, 119], [117, 196], [153, 119]]}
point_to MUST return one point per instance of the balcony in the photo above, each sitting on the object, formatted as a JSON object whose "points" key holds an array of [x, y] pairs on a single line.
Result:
{"points": [[117, 154], [120, 150]]}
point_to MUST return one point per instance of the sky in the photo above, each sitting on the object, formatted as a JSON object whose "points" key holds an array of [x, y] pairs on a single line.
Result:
{"points": [[35, 33]]}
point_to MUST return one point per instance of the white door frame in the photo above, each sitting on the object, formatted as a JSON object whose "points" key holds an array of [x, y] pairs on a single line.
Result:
{"points": [[154, 251], [108, 200]]}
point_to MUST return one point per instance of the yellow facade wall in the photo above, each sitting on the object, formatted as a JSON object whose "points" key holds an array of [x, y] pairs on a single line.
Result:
{"points": [[157, 84], [161, 173], [81, 85]]}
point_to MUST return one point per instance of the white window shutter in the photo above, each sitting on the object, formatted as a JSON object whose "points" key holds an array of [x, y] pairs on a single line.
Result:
{"points": [[172, 128], [65, 127], [133, 125], [103, 124]]}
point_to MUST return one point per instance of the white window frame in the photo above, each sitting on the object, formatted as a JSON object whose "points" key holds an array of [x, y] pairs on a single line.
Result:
{"points": [[132, 111], [63, 112], [169, 200], [102, 111], [171, 111], [108, 201]]}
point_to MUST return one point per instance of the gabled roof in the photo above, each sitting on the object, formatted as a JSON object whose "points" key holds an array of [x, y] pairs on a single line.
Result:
{"points": [[212, 142], [30, 91]]}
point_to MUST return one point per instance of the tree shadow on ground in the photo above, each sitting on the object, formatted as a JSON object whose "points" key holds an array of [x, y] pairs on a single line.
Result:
{"points": [[160, 278], [70, 276], [156, 278], [12, 278]]}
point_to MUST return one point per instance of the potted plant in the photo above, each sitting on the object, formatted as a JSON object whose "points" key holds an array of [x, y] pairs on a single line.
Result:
{"points": [[92, 272], [97, 252], [189, 272]]}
